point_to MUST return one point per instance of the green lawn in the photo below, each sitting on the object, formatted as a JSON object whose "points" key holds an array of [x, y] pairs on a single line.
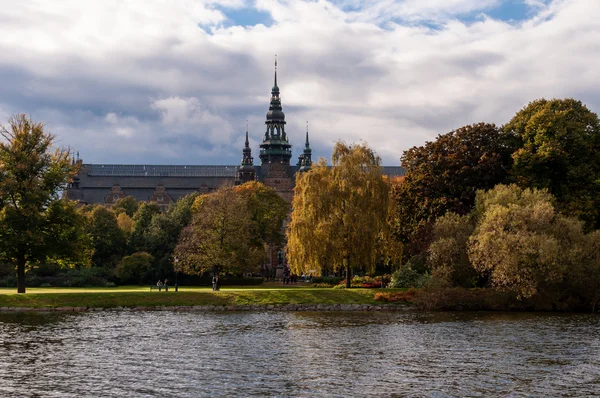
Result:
{"points": [[133, 296]]}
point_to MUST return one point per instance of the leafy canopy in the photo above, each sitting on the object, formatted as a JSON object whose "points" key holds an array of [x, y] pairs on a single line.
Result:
{"points": [[339, 213]]}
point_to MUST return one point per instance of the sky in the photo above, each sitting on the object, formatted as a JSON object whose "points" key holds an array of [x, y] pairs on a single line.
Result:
{"points": [[174, 81]]}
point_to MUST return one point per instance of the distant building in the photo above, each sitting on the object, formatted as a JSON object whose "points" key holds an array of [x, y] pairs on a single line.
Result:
{"points": [[162, 184]]}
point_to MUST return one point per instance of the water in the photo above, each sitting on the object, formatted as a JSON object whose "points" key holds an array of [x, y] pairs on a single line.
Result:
{"points": [[169, 354]]}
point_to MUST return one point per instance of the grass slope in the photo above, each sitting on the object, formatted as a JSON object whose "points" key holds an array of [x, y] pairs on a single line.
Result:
{"points": [[141, 296]]}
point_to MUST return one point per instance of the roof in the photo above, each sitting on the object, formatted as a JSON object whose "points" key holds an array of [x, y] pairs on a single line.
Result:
{"points": [[137, 170]]}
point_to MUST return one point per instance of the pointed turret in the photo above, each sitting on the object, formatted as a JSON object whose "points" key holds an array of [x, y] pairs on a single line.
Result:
{"points": [[275, 146], [246, 171], [305, 160]]}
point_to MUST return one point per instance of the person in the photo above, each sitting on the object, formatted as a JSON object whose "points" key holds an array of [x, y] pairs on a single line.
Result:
{"points": [[215, 283], [159, 284], [166, 285]]}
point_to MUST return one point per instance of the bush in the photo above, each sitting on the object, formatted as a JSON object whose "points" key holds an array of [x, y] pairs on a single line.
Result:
{"points": [[321, 285], [460, 299], [407, 277], [332, 280], [394, 297]]}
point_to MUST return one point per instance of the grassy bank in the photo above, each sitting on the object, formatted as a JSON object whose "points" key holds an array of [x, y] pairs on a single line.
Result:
{"points": [[141, 296]]}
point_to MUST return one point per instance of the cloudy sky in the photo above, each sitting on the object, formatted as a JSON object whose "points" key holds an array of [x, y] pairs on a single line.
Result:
{"points": [[174, 81]]}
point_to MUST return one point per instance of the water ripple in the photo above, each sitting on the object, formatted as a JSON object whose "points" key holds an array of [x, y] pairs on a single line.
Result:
{"points": [[169, 354]]}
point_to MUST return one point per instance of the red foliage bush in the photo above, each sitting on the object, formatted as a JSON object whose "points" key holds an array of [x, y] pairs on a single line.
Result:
{"points": [[394, 297]]}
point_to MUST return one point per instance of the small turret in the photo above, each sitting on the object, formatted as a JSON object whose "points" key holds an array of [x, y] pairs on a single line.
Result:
{"points": [[305, 160], [246, 171]]}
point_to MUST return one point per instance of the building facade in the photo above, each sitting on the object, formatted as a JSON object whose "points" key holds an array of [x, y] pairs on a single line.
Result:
{"points": [[165, 184]]}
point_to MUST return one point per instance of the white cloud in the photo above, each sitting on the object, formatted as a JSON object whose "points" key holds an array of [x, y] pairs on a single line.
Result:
{"points": [[167, 82]]}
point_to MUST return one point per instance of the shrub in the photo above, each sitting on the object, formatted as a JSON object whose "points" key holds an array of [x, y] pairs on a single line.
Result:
{"points": [[394, 297], [322, 285], [407, 277]]}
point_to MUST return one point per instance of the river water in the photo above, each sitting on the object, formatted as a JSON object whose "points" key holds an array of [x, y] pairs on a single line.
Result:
{"points": [[298, 354]]}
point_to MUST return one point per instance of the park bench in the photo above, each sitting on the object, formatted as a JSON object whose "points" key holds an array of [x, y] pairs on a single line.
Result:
{"points": [[152, 287]]}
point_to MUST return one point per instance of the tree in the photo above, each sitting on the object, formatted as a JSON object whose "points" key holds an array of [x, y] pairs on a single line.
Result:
{"points": [[521, 242], [34, 223], [108, 239], [444, 175], [164, 230], [142, 218], [268, 211], [339, 213], [134, 267], [127, 205], [125, 223], [560, 151], [447, 254], [218, 238]]}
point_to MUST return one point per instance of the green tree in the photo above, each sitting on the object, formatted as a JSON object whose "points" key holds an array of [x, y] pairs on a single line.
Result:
{"points": [[218, 238], [164, 231], [268, 211], [444, 175], [108, 239], [339, 213], [35, 224], [138, 239], [127, 205], [134, 268], [560, 151]]}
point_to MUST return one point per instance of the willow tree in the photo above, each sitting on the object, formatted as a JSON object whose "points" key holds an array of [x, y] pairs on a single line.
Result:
{"points": [[35, 224], [339, 213]]}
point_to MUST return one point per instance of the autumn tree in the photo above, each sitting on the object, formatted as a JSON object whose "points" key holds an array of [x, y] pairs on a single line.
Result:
{"points": [[447, 254], [218, 238], [522, 242], [445, 174], [339, 213], [35, 224], [559, 150]]}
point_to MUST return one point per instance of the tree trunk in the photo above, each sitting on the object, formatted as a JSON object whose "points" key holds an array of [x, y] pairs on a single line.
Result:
{"points": [[348, 273], [21, 274]]}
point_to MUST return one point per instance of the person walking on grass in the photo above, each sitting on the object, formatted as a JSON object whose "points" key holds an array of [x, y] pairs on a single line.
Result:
{"points": [[159, 284], [166, 285]]}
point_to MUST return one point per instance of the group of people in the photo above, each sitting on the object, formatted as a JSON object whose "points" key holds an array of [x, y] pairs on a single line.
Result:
{"points": [[289, 278], [216, 284], [160, 285]]}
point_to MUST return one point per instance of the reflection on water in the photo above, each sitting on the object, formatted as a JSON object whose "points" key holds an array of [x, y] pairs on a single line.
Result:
{"points": [[172, 354]]}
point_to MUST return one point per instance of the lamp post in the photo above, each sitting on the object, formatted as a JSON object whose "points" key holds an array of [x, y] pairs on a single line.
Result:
{"points": [[175, 261]]}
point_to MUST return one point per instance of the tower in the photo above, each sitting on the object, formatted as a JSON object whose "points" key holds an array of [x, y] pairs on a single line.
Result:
{"points": [[305, 160], [275, 147], [275, 150], [246, 171]]}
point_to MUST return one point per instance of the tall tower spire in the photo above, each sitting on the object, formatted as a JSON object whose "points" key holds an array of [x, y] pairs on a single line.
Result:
{"points": [[275, 146]]}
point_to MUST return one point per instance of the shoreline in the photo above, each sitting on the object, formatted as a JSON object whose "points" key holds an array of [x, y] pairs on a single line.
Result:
{"points": [[220, 308]]}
